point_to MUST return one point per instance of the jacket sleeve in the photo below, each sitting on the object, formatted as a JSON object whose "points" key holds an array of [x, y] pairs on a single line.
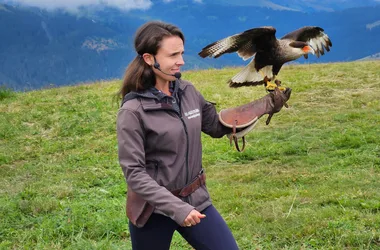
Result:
{"points": [[131, 139], [210, 120]]}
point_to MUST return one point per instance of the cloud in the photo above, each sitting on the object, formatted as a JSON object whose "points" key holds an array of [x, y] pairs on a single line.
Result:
{"points": [[75, 4], [195, 1]]}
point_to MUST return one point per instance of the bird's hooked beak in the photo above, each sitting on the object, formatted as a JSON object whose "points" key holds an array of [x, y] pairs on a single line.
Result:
{"points": [[308, 49]]}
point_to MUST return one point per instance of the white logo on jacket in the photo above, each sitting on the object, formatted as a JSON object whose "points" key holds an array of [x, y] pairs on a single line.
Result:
{"points": [[192, 114]]}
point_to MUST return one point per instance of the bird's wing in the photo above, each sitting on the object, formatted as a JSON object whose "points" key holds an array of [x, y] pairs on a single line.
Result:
{"points": [[245, 44], [315, 36]]}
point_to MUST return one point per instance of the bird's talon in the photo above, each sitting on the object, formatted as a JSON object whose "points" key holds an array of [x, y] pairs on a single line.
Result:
{"points": [[270, 86]]}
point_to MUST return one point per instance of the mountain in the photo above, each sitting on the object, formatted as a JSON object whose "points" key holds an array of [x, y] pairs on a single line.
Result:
{"points": [[42, 48], [371, 57]]}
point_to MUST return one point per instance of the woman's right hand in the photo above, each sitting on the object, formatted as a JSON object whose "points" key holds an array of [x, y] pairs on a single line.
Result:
{"points": [[193, 218]]}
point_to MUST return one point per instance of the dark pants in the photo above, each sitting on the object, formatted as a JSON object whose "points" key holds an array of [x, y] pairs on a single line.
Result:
{"points": [[211, 234]]}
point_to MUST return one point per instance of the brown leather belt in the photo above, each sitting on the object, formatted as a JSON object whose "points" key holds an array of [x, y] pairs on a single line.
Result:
{"points": [[199, 181]]}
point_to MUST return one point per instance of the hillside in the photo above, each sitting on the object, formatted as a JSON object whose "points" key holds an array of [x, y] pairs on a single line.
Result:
{"points": [[309, 180], [42, 48]]}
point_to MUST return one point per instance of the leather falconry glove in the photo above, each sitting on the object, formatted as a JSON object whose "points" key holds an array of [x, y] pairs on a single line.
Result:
{"points": [[242, 119]]}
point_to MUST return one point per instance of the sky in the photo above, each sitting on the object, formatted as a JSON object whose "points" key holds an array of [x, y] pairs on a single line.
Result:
{"points": [[121, 4], [74, 4]]}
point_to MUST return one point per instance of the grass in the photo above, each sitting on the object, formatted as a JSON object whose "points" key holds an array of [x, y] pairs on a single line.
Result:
{"points": [[5, 92], [309, 180]]}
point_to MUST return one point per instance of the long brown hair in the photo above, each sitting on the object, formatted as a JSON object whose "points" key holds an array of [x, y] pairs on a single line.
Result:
{"points": [[139, 75]]}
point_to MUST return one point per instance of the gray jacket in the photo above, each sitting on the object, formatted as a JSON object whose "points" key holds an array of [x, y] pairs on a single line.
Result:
{"points": [[159, 141]]}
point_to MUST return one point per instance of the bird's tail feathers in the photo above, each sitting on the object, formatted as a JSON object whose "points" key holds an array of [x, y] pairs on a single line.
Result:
{"points": [[249, 76], [267, 71]]}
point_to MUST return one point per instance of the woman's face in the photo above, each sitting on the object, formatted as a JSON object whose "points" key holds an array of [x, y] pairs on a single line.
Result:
{"points": [[170, 58]]}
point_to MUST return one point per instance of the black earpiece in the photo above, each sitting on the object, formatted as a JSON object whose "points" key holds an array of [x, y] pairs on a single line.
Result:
{"points": [[156, 65]]}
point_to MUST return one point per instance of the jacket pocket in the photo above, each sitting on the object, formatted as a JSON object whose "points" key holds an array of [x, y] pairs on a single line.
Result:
{"points": [[152, 169]]}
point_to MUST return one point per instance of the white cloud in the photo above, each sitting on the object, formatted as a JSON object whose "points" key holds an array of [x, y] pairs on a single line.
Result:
{"points": [[195, 1], [373, 25], [74, 4]]}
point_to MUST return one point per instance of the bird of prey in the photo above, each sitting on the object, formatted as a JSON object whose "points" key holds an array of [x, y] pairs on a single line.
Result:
{"points": [[269, 52]]}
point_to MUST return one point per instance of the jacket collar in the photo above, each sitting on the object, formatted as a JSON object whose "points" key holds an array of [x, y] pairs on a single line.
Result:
{"points": [[152, 98]]}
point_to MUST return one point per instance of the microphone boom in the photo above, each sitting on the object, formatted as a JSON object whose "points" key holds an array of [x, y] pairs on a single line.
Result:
{"points": [[156, 65]]}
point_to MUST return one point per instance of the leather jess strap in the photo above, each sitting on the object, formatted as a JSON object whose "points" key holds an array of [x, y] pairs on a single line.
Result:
{"points": [[199, 181], [235, 139]]}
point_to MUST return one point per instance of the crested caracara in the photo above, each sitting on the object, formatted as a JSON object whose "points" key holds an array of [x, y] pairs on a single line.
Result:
{"points": [[269, 52]]}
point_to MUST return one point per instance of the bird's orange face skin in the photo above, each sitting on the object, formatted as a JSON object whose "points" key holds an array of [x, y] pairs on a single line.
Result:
{"points": [[307, 49]]}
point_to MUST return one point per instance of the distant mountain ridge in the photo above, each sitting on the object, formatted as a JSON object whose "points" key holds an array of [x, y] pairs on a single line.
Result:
{"points": [[41, 48], [371, 57]]}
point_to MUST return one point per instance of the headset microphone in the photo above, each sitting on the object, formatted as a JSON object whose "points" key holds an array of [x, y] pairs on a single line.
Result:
{"points": [[156, 65]]}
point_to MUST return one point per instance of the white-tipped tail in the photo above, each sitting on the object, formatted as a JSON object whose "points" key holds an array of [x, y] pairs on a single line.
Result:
{"points": [[249, 74]]}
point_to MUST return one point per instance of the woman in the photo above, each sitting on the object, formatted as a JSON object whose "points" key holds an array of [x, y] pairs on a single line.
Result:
{"points": [[159, 129]]}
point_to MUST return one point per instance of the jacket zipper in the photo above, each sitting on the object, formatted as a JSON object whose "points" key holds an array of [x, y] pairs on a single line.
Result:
{"points": [[187, 136], [187, 149]]}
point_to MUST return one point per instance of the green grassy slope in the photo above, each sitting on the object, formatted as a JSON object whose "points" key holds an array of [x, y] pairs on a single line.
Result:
{"points": [[309, 180]]}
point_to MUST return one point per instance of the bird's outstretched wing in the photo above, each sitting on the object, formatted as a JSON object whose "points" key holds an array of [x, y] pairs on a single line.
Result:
{"points": [[245, 44], [313, 35]]}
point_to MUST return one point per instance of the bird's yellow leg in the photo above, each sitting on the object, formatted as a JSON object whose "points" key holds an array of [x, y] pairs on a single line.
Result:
{"points": [[268, 84], [276, 84], [271, 86]]}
